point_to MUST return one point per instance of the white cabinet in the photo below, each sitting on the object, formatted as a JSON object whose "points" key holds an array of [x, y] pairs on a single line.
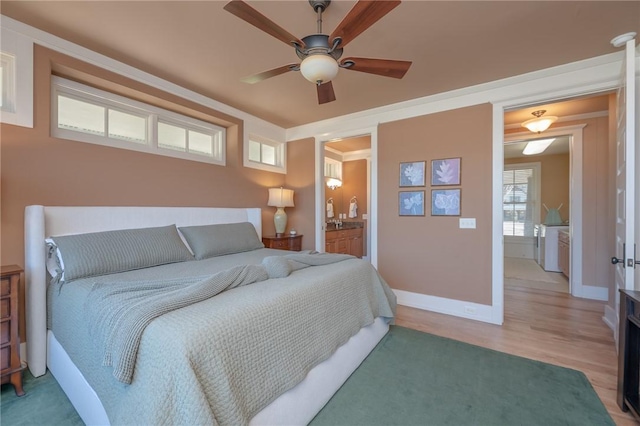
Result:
{"points": [[549, 247]]}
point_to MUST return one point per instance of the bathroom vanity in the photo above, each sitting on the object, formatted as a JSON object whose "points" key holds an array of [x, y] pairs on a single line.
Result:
{"points": [[345, 239]]}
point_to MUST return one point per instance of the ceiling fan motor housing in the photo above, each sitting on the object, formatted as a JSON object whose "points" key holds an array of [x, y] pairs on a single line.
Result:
{"points": [[323, 4], [318, 44]]}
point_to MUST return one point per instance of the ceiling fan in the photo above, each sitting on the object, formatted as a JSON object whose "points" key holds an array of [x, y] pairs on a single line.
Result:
{"points": [[320, 53]]}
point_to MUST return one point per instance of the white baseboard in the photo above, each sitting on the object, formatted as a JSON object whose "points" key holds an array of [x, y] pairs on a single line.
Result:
{"points": [[610, 318], [595, 293], [458, 308]]}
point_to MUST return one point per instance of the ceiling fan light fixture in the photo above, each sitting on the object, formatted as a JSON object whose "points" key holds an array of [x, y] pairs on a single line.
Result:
{"points": [[540, 123], [319, 68]]}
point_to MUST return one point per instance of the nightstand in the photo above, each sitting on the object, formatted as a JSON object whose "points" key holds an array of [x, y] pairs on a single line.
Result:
{"points": [[286, 242], [10, 364]]}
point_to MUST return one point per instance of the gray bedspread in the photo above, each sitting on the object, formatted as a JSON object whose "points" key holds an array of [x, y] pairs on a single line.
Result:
{"points": [[224, 358]]}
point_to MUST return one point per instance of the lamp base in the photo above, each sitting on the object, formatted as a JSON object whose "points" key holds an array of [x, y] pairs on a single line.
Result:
{"points": [[280, 221]]}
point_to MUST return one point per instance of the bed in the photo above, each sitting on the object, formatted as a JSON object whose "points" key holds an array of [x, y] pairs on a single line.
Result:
{"points": [[246, 373]]}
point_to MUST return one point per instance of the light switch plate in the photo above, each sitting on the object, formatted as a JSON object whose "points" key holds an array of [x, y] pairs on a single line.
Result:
{"points": [[468, 223], [365, 216]]}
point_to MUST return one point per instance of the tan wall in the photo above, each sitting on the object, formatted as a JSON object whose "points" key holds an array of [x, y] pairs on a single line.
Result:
{"points": [[555, 171], [301, 178], [431, 255], [355, 184], [39, 169]]}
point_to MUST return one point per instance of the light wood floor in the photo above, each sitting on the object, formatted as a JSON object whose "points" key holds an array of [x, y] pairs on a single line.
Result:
{"points": [[544, 325]]}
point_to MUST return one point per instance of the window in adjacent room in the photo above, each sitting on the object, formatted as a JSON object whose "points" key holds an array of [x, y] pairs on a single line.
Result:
{"points": [[86, 114], [265, 154], [520, 199]]}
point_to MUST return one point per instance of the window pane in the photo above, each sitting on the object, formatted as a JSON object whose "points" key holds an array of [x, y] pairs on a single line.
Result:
{"points": [[80, 116], [254, 151], [268, 154], [200, 143], [172, 137], [127, 127]]}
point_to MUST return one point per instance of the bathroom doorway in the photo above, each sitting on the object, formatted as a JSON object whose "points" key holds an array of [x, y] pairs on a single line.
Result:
{"points": [[346, 187]]}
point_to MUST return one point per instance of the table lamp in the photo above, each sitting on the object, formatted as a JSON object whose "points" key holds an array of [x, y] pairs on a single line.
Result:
{"points": [[280, 198]]}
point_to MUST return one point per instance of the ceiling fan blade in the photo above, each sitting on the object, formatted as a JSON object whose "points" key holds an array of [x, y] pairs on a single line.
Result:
{"points": [[362, 16], [384, 67], [326, 93], [257, 78], [248, 14]]}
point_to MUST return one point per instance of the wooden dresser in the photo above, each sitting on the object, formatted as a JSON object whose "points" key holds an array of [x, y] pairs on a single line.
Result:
{"points": [[345, 241], [285, 242], [10, 365]]}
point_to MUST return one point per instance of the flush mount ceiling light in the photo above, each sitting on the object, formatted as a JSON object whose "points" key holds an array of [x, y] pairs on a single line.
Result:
{"points": [[540, 123], [537, 147]]}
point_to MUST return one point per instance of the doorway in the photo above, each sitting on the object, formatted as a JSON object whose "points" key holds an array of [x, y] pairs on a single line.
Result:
{"points": [[347, 171], [564, 171]]}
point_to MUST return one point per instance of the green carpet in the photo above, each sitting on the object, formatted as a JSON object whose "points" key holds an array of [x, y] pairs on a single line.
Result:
{"points": [[410, 378], [414, 378]]}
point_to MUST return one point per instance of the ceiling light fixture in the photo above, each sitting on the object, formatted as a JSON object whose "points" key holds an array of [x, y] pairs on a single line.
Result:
{"points": [[319, 68], [540, 123], [537, 147]]}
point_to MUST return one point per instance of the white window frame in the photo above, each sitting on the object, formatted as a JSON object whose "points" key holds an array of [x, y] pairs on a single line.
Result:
{"points": [[20, 95], [153, 115], [281, 154], [536, 166]]}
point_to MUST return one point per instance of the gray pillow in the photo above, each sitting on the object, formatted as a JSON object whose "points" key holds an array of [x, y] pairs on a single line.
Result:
{"points": [[216, 240], [100, 253]]}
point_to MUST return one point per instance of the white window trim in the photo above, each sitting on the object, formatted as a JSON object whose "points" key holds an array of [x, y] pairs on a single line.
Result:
{"points": [[110, 100], [21, 48], [536, 212], [281, 154]]}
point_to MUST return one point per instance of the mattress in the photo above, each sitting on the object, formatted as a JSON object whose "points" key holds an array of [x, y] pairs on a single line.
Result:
{"points": [[171, 381]]}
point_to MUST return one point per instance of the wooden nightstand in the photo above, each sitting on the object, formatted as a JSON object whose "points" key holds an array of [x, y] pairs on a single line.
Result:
{"points": [[286, 242], [10, 365]]}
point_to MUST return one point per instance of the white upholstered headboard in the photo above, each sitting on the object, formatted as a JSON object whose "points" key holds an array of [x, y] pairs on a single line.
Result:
{"points": [[42, 222]]}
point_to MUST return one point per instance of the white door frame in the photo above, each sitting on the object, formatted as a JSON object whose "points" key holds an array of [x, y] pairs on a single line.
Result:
{"points": [[575, 194], [372, 222]]}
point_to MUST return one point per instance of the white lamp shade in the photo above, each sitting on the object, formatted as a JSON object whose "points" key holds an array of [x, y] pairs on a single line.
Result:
{"points": [[280, 197], [319, 68], [538, 125]]}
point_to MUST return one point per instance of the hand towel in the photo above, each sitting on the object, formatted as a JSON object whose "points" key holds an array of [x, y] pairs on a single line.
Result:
{"points": [[329, 210], [353, 210]]}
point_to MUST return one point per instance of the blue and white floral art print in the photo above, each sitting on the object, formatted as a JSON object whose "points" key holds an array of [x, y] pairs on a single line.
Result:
{"points": [[412, 174], [411, 203], [445, 172], [445, 202]]}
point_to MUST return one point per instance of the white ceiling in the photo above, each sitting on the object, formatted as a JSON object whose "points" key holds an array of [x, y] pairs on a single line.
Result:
{"points": [[452, 44]]}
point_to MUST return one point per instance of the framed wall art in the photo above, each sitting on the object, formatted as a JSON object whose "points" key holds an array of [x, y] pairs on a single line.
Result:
{"points": [[445, 172], [445, 202], [412, 174], [411, 203]]}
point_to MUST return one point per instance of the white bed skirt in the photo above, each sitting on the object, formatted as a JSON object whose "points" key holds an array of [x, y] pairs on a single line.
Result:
{"points": [[297, 406]]}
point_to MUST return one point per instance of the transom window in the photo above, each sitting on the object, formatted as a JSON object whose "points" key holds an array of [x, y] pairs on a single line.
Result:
{"points": [[86, 114], [266, 154], [7, 82], [520, 199]]}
